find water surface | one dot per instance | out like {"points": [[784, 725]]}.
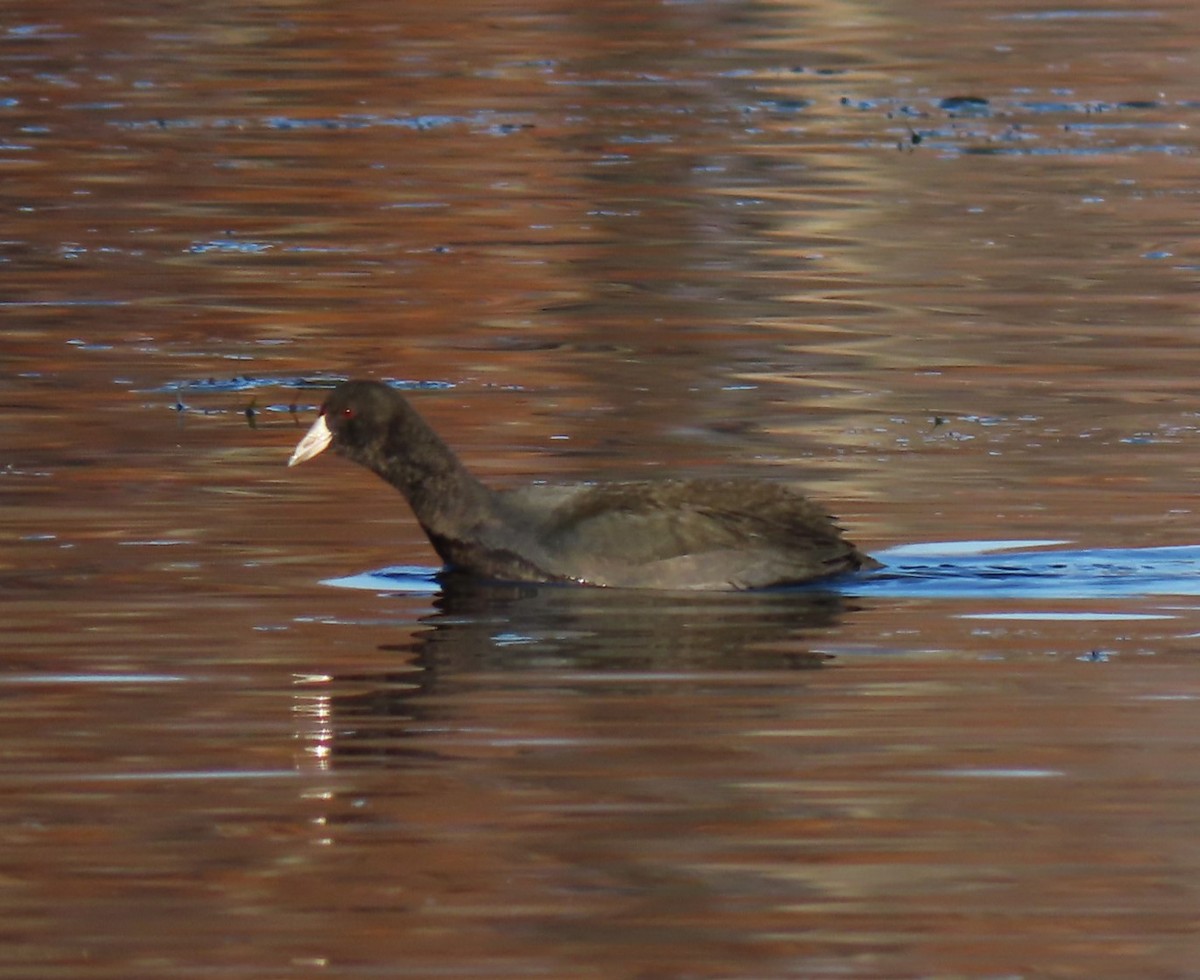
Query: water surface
{"points": [[934, 262]]}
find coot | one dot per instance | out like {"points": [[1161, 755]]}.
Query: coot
{"points": [[662, 534]]}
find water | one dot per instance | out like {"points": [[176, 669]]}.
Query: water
{"points": [[933, 262]]}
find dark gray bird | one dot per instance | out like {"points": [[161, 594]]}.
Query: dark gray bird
{"points": [[668, 534]]}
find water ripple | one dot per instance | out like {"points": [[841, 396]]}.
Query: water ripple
{"points": [[995, 569]]}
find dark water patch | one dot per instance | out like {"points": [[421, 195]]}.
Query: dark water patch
{"points": [[186, 391], [1071, 13], [243, 247], [1089, 108], [487, 123], [308, 382], [1019, 121], [863, 105], [823, 72], [1079, 151], [965, 105], [785, 106], [247, 383]]}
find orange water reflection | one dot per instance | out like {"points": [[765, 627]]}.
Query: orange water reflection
{"points": [[935, 262]]}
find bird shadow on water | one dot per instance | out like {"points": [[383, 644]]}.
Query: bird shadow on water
{"points": [[481, 625], [525, 641]]}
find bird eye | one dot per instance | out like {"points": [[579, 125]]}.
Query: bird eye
{"points": [[347, 413]]}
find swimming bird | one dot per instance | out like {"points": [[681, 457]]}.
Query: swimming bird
{"points": [[661, 534]]}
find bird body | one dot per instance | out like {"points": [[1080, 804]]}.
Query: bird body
{"points": [[663, 534]]}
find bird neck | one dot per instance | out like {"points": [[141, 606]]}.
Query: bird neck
{"points": [[443, 494]]}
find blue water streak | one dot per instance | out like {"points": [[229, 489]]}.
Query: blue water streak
{"points": [[998, 569]]}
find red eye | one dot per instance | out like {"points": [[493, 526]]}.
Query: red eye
{"points": [[347, 413]]}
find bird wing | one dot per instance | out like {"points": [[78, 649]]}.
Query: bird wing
{"points": [[686, 534]]}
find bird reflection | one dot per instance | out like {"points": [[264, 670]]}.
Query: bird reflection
{"points": [[483, 631]]}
